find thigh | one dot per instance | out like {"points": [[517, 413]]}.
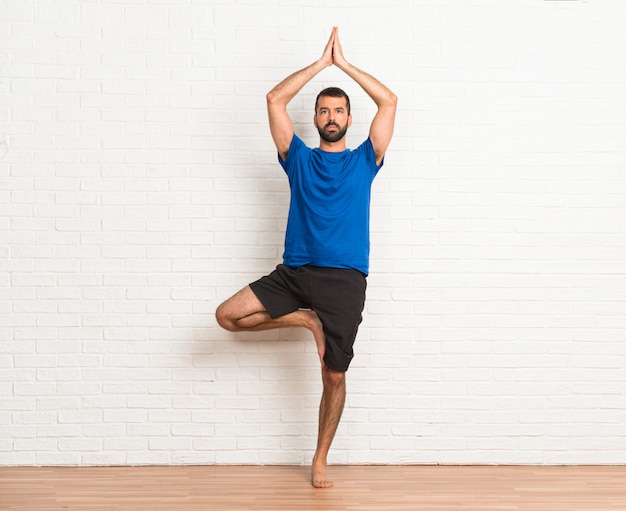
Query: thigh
{"points": [[241, 304], [338, 301], [282, 292], [339, 293]]}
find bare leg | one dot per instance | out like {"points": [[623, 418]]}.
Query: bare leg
{"points": [[331, 408], [245, 312]]}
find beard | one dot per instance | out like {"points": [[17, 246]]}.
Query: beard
{"points": [[332, 136]]}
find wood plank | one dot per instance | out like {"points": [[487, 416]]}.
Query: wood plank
{"points": [[282, 488]]}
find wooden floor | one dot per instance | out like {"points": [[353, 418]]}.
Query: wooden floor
{"points": [[280, 488]]}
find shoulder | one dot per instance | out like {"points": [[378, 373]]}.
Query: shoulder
{"points": [[368, 154], [297, 152]]}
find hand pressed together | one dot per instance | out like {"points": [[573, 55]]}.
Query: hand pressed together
{"points": [[333, 52]]}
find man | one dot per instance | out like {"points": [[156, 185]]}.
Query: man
{"points": [[321, 285]]}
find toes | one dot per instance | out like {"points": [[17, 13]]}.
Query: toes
{"points": [[323, 484], [322, 361]]}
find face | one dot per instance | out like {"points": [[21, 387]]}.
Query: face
{"points": [[332, 119]]}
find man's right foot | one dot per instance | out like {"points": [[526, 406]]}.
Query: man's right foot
{"points": [[317, 329]]}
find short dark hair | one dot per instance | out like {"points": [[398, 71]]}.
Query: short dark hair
{"points": [[333, 92]]}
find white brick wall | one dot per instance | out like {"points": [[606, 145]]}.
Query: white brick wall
{"points": [[139, 187]]}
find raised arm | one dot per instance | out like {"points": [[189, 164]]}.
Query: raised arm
{"points": [[281, 126], [381, 129]]}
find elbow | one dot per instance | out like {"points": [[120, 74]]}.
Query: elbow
{"points": [[392, 99], [388, 101], [271, 97]]}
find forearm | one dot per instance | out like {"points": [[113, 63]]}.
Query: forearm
{"points": [[286, 90], [381, 128], [380, 94], [281, 126]]}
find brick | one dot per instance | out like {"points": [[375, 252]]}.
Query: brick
{"points": [[140, 188]]}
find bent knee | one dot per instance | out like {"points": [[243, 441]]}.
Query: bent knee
{"points": [[224, 319]]}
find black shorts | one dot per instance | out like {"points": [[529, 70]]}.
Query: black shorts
{"points": [[336, 295]]}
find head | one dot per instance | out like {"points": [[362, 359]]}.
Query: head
{"points": [[332, 114]]}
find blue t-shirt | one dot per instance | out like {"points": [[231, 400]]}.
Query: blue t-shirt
{"points": [[329, 213]]}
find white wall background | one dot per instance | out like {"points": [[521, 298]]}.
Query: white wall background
{"points": [[139, 188]]}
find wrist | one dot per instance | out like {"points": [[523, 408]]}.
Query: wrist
{"points": [[342, 64]]}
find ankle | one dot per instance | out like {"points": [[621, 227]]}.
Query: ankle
{"points": [[311, 320], [319, 459]]}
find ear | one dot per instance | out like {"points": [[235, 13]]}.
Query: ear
{"points": [[315, 120], [350, 121]]}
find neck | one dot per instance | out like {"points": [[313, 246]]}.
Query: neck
{"points": [[333, 147]]}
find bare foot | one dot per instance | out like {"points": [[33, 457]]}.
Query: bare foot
{"points": [[315, 326], [318, 476]]}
